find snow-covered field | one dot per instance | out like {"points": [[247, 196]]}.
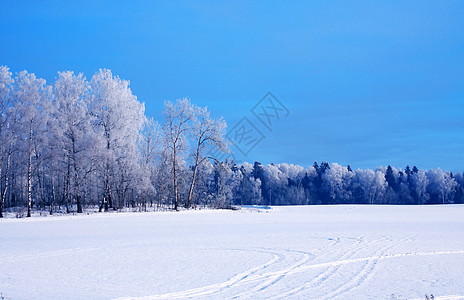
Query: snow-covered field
{"points": [[310, 252]]}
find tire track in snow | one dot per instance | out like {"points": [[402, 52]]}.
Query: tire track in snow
{"points": [[326, 274], [243, 278], [273, 279], [238, 280], [366, 272], [215, 288], [380, 257], [355, 260], [253, 270]]}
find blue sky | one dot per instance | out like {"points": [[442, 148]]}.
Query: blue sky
{"points": [[366, 83]]}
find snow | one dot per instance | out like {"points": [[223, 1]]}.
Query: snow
{"points": [[297, 252]]}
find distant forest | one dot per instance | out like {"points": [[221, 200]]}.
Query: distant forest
{"points": [[80, 144]]}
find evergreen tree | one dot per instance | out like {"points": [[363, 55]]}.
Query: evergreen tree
{"points": [[316, 166], [390, 178]]}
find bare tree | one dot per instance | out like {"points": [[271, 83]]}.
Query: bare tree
{"points": [[149, 147], [208, 135], [176, 129]]}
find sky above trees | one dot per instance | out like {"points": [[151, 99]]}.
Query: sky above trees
{"points": [[366, 84]]}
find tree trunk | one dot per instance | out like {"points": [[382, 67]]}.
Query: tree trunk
{"points": [[189, 200], [7, 171], [76, 186], [100, 208], [53, 195], [79, 205], [107, 201], [29, 175], [40, 192], [176, 199], [106, 198], [67, 187]]}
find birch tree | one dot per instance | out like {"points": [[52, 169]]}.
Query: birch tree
{"points": [[150, 152], [372, 184], [32, 100], [119, 117], [6, 83], [207, 134], [73, 130], [175, 136]]}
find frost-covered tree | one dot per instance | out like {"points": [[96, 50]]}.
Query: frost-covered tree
{"points": [[418, 187], [250, 188], [7, 122], [119, 118], [336, 182], [150, 152], [227, 179], [33, 104], [441, 186], [207, 134], [459, 195], [176, 129], [72, 127], [372, 184]]}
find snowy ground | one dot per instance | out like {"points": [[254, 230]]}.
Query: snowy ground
{"points": [[311, 252]]}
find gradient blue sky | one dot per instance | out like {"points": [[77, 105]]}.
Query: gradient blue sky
{"points": [[367, 83]]}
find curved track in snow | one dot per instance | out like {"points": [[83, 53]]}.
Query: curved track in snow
{"points": [[255, 282]]}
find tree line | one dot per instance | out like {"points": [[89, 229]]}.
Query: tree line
{"points": [[81, 143], [287, 184]]}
